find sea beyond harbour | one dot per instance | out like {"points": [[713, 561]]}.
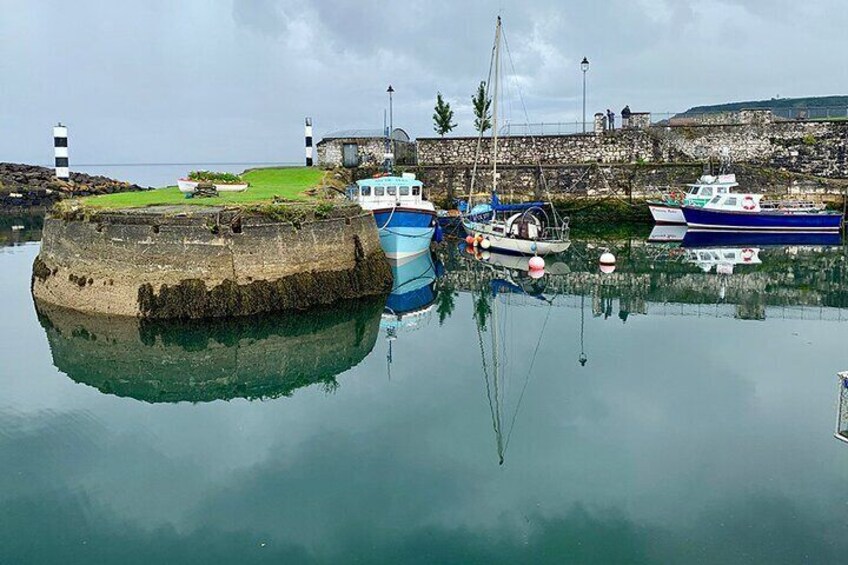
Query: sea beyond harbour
{"points": [[668, 412]]}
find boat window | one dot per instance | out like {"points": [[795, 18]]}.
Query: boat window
{"points": [[731, 201], [715, 200], [366, 191], [403, 190], [707, 191], [729, 255], [693, 190], [721, 190], [415, 191], [379, 191], [391, 190]]}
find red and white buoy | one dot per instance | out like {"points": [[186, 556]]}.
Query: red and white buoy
{"points": [[537, 263], [607, 262]]}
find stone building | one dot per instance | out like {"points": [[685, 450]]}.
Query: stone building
{"points": [[355, 148]]}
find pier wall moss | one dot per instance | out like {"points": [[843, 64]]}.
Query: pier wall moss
{"points": [[190, 262], [628, 182]]}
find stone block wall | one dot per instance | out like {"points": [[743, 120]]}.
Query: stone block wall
{"points": [[809, 147], [620, 147], [625, 181], [206, 262], [369, 150]]}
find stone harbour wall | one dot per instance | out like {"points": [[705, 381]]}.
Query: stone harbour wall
{"points": [[185, 262], [808, 147], [625, 181]]}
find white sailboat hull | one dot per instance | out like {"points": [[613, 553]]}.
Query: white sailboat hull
{"points": [[516, 245]]}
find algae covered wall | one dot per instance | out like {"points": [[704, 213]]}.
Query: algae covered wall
{"points": [[623, 181], [203, 262]]}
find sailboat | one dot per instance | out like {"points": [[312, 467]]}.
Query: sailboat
{"points": [[527, 228]]}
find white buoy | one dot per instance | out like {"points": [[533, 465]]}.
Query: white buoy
{"points": [[536, 263], [485, 255], [607, 262], [308, 133], [60, 151], [485, 244]]}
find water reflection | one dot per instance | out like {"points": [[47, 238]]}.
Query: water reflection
{"points": [[751, 276], [411, 302], [253, 358], [19, 229]]}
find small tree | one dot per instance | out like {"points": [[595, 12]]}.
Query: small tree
{"points": [[443, 116], [481, 109]]}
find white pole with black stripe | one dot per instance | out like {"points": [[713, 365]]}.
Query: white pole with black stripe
{"points": [[60, 151], [308, 142]]}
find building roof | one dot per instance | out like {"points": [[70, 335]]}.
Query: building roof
{"points": [[397, 134]]}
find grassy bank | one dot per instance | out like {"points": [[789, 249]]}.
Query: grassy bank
{"points": [[289, 183]]}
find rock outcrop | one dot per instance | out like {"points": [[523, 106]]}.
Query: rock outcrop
{"points": [[30, 186]]}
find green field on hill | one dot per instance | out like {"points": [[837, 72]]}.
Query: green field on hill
{"points": [[286, 183]]}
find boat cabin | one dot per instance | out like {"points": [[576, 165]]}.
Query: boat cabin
{"points": [[735, 203], [709, 186], [388, 192]]}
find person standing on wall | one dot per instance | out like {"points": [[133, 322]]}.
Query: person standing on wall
{"points": [[625, 117], [611, 119]]}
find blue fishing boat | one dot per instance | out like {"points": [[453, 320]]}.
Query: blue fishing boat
{"points": [[745, 212], [405, 221]]}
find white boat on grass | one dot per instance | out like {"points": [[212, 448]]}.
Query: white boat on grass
{"points": [[188, 186]]}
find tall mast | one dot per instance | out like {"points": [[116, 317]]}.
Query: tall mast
{"points": [[495, 111]]}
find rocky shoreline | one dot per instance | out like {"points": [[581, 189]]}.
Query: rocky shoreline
{"points": [[30, 187]]}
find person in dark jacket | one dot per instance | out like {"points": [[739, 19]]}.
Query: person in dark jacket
{"points": [[611, 119], [625, 117]]}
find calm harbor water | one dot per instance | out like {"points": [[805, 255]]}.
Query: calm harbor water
{"points": [[458, 425]]}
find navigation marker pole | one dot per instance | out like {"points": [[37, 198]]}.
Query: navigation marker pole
{"points": [[60, 151], [308, 142]]}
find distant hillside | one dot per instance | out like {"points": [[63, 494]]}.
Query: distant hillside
{"points": [[819, 106]]}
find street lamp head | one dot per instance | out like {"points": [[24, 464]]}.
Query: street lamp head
{"points": [[584, 64], [390, 89]]}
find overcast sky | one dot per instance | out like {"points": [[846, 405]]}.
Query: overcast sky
{"points": [[231, 80]]}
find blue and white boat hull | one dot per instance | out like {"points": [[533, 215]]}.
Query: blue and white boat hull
{"points": [[405, 232], [709, 219]]}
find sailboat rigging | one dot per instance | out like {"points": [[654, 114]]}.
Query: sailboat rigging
{"points": [[527, 228]]}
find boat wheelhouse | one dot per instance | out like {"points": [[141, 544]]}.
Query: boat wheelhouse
{"points": [[745, 212], [667, 210], [406, 222]]}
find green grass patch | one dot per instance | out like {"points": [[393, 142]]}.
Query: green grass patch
{"points": [[266, 185]]}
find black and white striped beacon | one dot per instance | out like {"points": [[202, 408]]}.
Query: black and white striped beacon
{"points": [[308, 142], [60, 151]]}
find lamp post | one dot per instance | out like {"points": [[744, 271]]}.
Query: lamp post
{"points": [[584, 66], [391, 151]]}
